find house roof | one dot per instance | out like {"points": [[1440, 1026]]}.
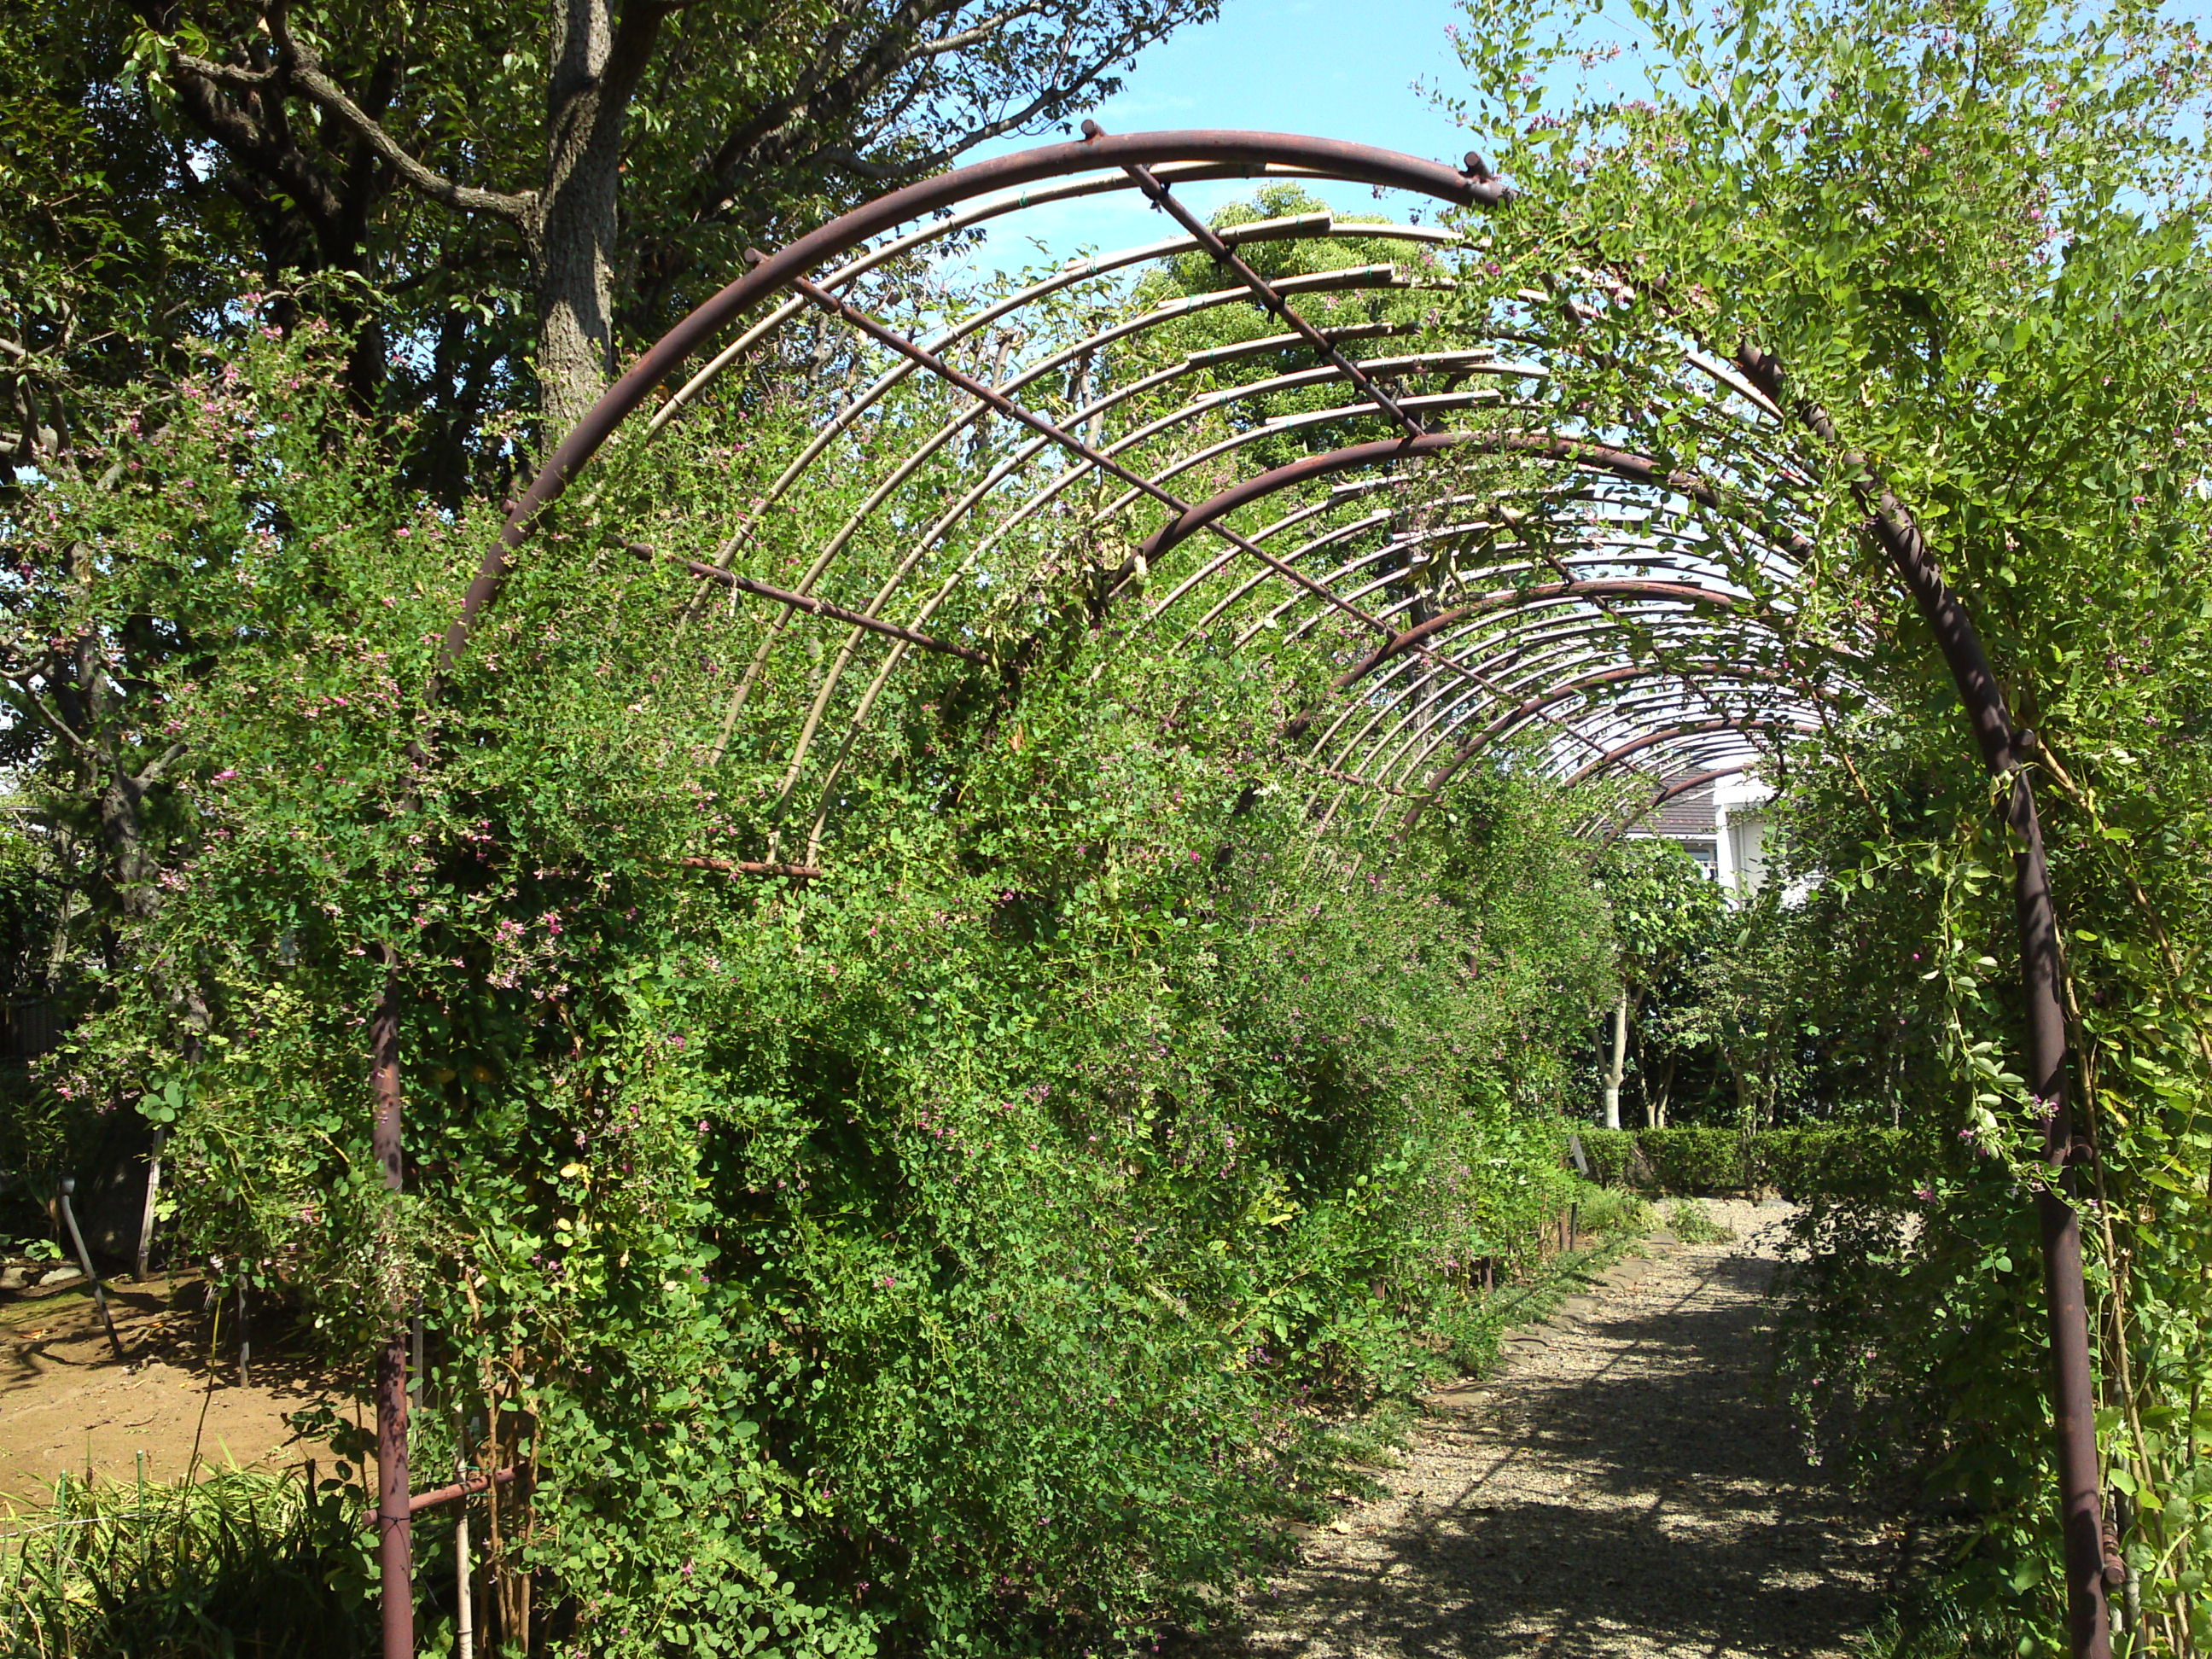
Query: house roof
{"points": [[1689, 814]]}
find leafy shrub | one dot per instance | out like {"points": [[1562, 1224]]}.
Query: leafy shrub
{"points": [[1839, 1160], [1611, 1155], [1693, 1158], [1612, 1212], [1801, 1161], [2084, 564], [935, 1256]]}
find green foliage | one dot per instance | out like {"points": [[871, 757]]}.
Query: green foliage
{"points": [[1614, 1213], [1671, 923], [1693, 1224], [165, 161], [1609, 1222], [1868, 1162], [1694, 1158], [1610, 1153], [1974, 237], [942, 1255], [99, 272], [1666, 913], [1842, 1160]]}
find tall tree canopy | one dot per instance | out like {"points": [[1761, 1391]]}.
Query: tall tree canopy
{"points": [[490, 205], [503, 200]]}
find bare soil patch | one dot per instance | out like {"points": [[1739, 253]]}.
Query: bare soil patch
{"points": [[1624, 1486], [67, 1403]]}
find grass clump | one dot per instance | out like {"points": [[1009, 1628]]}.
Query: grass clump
{"points": [[1613, 1213], [1693, 1224], [240, 1562]]}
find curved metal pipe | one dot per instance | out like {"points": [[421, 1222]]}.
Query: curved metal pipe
{"points": [[1604, 458], [1550, 594], [1518, 716], [1606, 762], [1326, 158]]}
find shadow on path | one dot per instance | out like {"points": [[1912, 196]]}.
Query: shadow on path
{"points": [[1623, 1488]]}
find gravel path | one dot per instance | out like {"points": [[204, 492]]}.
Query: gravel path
{"points": [[1621, 1487]]}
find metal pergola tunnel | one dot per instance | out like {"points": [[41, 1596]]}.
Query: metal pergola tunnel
{"points": [[1473, 570]]}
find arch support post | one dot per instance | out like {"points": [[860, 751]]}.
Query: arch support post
{"points": [[394, 1513], [2004, 748], [2065, 1295]]}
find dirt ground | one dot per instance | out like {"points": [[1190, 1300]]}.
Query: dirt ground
{"points": [[1622, 1488], [67, 1403]]}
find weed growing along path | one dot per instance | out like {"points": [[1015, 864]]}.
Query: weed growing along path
{"points": [[1622, 1488]]}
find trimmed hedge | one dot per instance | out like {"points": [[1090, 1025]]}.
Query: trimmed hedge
{"points": [[1842, 1160], [1608, 1152], [1836, 1160], [1694, 1159]]}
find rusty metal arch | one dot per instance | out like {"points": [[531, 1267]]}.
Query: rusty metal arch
{"points": [[1574, 643], [1314, 157], [1513, 718]]}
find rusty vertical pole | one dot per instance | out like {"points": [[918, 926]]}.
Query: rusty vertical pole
{"points": [[394, 1540], [2005, 751], [2066, 1309], [2065, 1294]]}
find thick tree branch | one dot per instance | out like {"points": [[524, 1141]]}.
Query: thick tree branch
{"points": [[976, 33], [154, 771], [748, 135], [226, 75], [303, 68], [255, 142], [30, 701]]}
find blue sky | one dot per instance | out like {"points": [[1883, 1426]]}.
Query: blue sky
{"points": [[1338, 68]]}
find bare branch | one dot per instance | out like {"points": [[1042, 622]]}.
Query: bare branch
{"points": [[869, 77], [303, 68], [225, 74], [1051, 98], [975, 34], [881, 59]]}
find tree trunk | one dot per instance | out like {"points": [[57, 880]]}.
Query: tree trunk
{"points": [[1654, 1103], [596, 60], [122, 827], [576, 226], [1613, 1071]]}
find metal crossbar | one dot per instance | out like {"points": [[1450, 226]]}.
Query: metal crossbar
{"points": [[1223, 255], [887, 336]]}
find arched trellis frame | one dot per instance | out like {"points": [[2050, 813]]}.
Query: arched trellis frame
{"points": [[1605, 655]]}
